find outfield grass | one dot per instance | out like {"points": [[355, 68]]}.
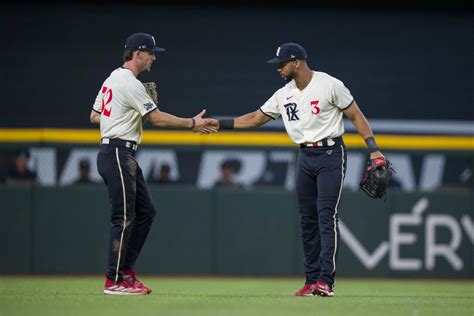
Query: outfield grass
{"points": [[233, 296]]}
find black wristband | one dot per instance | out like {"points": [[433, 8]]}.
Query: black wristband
{"points": [[193, 124], [226, 124], [371, 144]]}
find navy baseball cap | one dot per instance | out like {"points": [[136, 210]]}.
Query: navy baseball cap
{"points": [[288, 51], [143, 42]]}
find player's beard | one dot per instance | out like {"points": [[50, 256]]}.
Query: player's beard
{"points": [[288, 78], [147, 67]]}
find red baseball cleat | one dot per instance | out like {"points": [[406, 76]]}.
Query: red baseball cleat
{"points": [[306, 290], [323, 289], [123, 287], [129, 274]]}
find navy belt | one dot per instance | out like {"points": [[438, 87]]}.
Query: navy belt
{"points": [[327, 142], [120, 143]]}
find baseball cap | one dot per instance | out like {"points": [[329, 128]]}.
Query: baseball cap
{"points": [[143, 42], [288, 51]]}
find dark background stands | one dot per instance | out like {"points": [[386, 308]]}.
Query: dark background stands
{"points": [[84, 173], [226, 176], [18, 173], [413, 61], [163, 176]]}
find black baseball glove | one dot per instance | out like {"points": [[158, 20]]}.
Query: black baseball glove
{"points": [[376, 178]]}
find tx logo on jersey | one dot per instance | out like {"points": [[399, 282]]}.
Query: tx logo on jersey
{"points": [[291, 111]]}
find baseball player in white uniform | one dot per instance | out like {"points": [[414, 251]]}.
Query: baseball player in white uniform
{"points": [[311, 105], [121, 107]]}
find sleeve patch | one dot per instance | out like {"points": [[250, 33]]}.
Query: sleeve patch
{"points": [[148, 106]]}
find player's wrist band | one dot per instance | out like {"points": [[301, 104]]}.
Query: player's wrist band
{"points": [[226, 124], [193, 124], [371, 144]]}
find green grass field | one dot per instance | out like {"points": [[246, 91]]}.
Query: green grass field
{"points": [[233, 296]]}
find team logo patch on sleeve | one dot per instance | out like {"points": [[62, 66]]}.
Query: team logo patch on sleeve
{"points": [[148, 106]]}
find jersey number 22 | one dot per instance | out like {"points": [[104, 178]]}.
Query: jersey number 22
{"points": [[106, 99]]}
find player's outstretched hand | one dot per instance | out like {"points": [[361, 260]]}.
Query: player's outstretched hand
{"points": [[214, 123], [203, 126]]}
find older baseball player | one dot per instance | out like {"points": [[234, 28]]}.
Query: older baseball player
{"points": [[311, 105], [121, 107]]}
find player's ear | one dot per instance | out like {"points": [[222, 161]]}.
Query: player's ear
{"points": [[140, 53]]}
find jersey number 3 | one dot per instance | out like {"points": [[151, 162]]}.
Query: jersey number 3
{"points": [[315, 108], [106, 98]]}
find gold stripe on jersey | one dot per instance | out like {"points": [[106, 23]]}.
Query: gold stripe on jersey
{"points": [[235, 138]]}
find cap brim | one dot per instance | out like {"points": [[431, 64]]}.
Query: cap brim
{"points": [[158, 49], [276, 60]]}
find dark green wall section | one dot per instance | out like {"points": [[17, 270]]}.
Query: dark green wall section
{"points": [[182, 237], [236, 232], [367, 220], [69, 229], [16, 230], [255, 232]]}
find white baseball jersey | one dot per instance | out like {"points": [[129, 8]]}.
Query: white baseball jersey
{"points": [[314, 113], [122, 102]]}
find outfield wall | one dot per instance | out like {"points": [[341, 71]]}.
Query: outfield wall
{"points": [[244, 232]]}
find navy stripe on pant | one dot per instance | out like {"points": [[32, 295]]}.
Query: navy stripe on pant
{"points": [[133, 209], [319, 179]]}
